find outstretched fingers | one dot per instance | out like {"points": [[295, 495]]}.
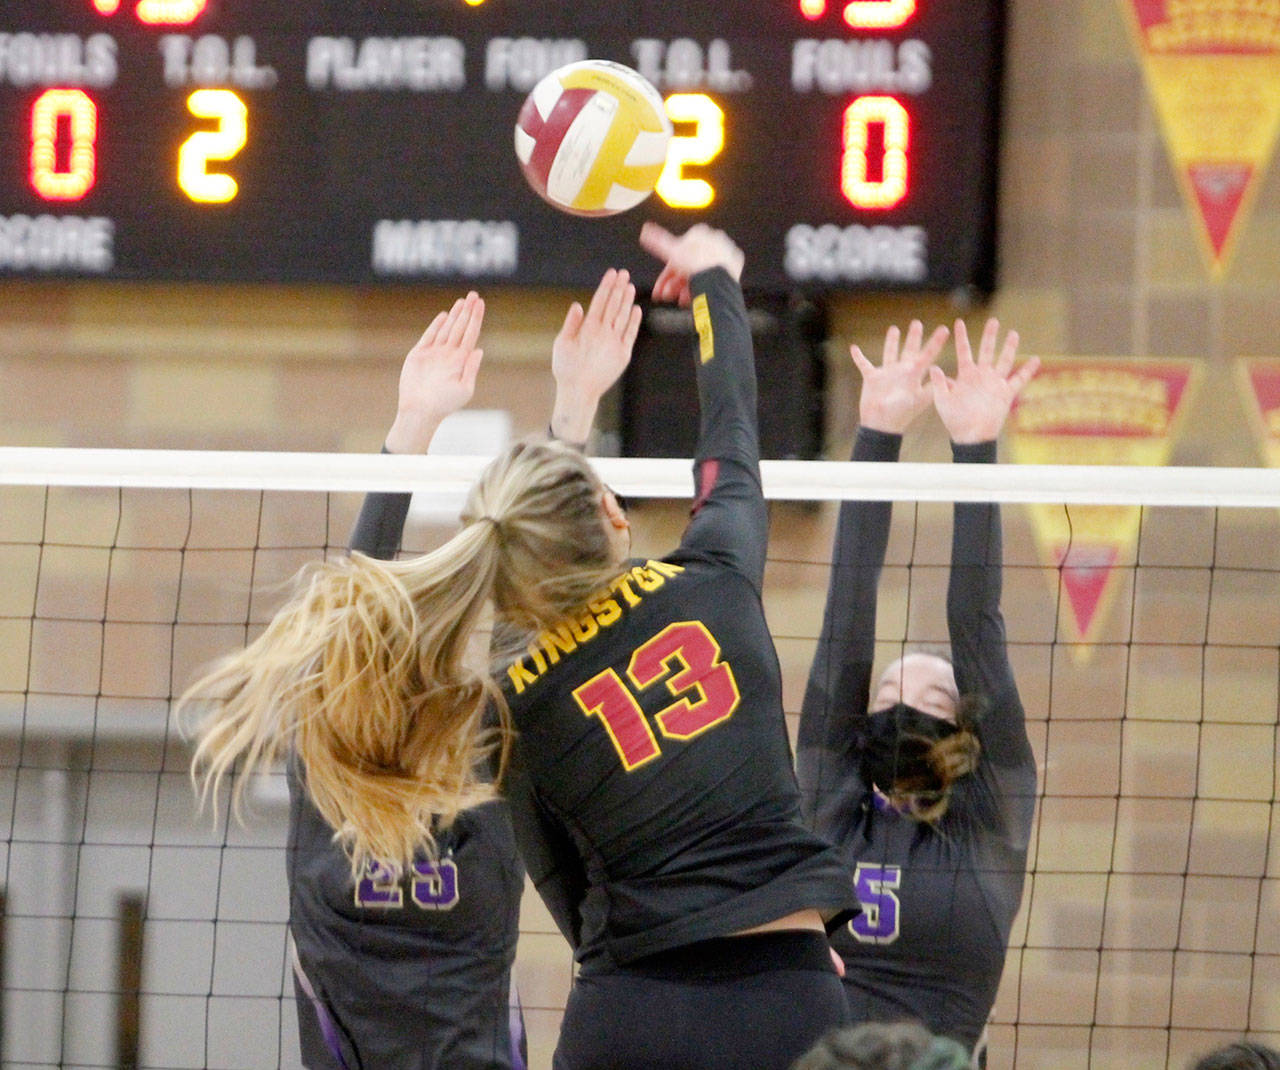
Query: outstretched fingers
{"points": [[987, 347], [964, 351], [470, 323], [573, 320], [459, 322], [632, 330], [1024, 375], [622, 296], [915, 337], [864, 366], [657, 240], [892, 346], [432, 332], [1008, 354], [932, 350], [600, 299]]}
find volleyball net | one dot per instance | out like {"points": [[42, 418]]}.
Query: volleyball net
{"points": [[1143, 612]]}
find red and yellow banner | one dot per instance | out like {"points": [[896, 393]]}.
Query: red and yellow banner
{"points": [[1213, 67], [1099, 411], [1259, 379]]}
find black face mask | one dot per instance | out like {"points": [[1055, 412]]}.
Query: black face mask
{"points": [[895, 745]]}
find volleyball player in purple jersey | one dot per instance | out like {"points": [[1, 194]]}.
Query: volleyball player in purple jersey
{"points": [[412, 971], [700, 916], [925, 778], [408, 970]]}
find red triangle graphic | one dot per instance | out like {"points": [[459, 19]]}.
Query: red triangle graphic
{"points": [[1220, 189], [1086, 571]]}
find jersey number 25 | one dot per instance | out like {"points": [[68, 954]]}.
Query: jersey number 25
{"points": [[688, 657]]}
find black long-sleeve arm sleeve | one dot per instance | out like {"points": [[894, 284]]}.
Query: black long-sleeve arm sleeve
{"points": [[380, 526], [839, 684], [730, 520], [980, 654]]}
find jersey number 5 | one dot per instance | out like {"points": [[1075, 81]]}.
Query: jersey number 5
{"points": [[688, 657], [874, 885]]}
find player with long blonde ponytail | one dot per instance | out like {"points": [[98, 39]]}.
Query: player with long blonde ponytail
{"points": [[404, 883]]}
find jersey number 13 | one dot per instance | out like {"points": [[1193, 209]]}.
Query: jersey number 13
{"points": [[687, 657]]}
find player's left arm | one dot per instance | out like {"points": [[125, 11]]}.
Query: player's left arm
{"points": [[437, 379], [590, 354], [974, 407]]}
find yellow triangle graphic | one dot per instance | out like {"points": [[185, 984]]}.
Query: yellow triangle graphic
{"points": [[1096, 411], [1213, 69], [1259, 382]]}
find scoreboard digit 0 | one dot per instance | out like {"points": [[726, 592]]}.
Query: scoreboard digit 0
{"points": [[846, 144]]}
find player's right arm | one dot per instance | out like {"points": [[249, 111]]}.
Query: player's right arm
{"points": [[701, 270], [838, 690], [437, 379]]}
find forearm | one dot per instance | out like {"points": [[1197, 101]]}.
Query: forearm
{"points": [[862, 536], [730, 519], [978, 644], [974, 590], [725, 370], [412, 432], [839, 681], [572, 417], [380, 526]]}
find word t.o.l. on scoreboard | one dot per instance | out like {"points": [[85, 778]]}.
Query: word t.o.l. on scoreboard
{"points": [[845, 144]]}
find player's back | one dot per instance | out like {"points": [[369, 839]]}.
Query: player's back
{"points": [[651, 729], [410, 971]]}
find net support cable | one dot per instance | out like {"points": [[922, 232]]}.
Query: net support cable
{"points": [[649, 477]]}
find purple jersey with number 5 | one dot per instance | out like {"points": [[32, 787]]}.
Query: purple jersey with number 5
{"points": [[938, 901]]}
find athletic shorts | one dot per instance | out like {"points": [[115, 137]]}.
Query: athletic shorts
{"points": [[758, 1001]]}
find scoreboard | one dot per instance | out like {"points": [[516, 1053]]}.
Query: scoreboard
{"points": [[847, 145]]}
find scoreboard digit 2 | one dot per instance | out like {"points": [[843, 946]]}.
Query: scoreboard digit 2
{"points": [[847, 145]]}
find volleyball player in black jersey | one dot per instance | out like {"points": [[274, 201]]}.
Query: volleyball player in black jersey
{"points": [[925, 779], [413, 971], [652, 788]]}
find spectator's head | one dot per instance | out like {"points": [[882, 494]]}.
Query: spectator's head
{"points": [[1241, 1056], [884, 1046]]}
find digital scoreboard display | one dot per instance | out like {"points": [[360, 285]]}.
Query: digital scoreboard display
{"points": [[847, 145]]}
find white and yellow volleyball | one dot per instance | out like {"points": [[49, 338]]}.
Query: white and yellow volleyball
{"points": [[592, 138]]}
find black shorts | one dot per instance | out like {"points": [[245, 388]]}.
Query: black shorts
{"points": [[757, 1001]]}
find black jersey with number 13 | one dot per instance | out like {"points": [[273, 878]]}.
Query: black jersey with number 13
{"points": [[652, 790]]}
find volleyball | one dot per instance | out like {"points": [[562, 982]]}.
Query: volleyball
{"points": [[592, 138]]}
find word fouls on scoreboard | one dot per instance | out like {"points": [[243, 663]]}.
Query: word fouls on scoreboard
{"points": [[874, 173]]}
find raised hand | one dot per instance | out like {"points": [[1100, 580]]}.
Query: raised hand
{"points": [[591, 352], [439, 375], [683, 256], [895, 393], [975, 404]]}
